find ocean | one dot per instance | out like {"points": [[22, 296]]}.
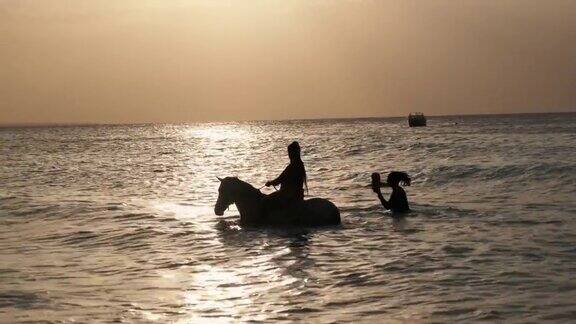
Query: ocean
{"points": [[116, 223]]}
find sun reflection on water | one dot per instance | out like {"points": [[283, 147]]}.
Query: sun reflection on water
{"points": [[216, 292], [220, 132], [226, 291], [223, 293]]}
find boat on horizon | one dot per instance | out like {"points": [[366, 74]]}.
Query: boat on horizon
{"points": [[416, 119]]}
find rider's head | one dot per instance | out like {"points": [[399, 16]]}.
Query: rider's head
{"points": [[395, 177], [294, 151]]}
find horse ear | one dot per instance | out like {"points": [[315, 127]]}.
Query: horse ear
{"points": [[219, 179]]}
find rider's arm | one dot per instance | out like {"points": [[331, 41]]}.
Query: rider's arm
{"points": [[281, 178]]}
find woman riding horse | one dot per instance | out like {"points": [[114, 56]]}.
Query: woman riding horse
{"points": [[256, 208], [291, 181]]}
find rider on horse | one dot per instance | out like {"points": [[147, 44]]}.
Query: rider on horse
{"points": [[292, 181]]}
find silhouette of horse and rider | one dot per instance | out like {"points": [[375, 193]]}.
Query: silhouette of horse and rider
{"points": [[287, 205]]}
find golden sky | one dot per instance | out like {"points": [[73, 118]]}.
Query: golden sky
{"points": [[98, 61]]}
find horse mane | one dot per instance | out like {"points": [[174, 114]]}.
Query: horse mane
{"points": [[244, 185]]}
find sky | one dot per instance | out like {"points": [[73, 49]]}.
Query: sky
{"points": [[139, 61]]}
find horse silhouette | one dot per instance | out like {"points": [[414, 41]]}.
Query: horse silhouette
{"points": [[249, 201]]}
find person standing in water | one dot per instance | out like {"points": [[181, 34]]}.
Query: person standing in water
{"points": [[398, 203], [292, 181]]}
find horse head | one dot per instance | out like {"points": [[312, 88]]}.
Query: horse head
{"points": [[226, 195], [235, 191]]}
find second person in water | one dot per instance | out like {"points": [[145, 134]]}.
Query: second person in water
{"points": [[292, 182], [398, 202]]}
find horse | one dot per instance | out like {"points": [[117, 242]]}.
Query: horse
{"points": [[249, 201]]}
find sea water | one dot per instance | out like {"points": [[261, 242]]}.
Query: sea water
{"points": [[116, 223]]}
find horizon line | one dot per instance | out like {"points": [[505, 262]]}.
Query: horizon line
{"points": [[87, 124]]}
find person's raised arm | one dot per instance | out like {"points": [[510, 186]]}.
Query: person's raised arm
{"points": [[383, 201], [376, 184]]}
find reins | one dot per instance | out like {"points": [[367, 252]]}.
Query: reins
{"points": [[265, 186]]}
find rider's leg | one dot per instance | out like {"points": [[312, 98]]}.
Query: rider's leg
{"points": [[273, 201]]}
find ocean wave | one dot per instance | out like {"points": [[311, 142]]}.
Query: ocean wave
{"points": [[513, 172]]}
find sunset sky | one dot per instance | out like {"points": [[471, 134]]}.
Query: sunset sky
{"points": [[132, 61]]}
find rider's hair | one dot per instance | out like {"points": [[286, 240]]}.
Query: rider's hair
{"points": [[395, 177]]}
